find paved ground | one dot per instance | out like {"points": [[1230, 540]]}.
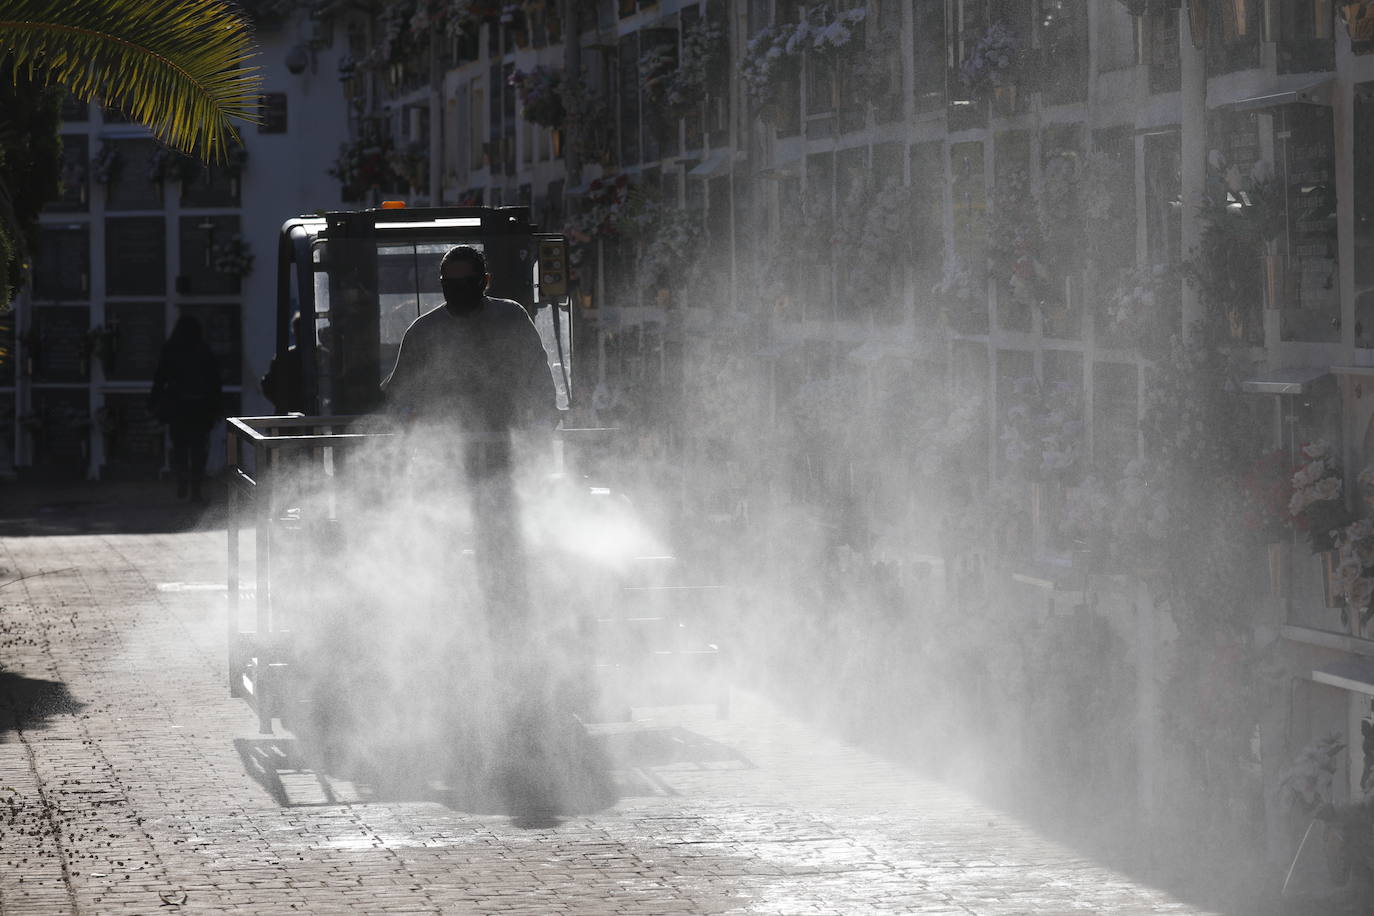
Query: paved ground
{"points": [[131, 782]]}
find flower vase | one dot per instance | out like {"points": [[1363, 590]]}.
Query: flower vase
{"points": [[1331, 590]]}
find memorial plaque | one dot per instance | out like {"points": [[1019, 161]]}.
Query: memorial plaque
{"points": [[1309, 173], [76, 172], [136, 256], [202, 245], [61, 429], [224, 333], [138, 183], [60, 337], [140, 330], [272, 111], [62, 263], [134, 439]]}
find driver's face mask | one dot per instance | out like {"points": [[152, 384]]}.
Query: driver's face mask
{"points": [[462, 291]]}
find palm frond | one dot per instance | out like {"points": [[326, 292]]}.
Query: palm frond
{"points": [[177, 66]]}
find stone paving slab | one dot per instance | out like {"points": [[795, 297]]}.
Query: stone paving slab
{"points": [[131, 793]]}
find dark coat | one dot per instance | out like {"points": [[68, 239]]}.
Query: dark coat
{"points": [[186, 387]]}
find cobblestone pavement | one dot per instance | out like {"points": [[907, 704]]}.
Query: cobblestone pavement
{"points": [[133, 792]]}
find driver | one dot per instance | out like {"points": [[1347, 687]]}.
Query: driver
{"points": [[477, 362]]}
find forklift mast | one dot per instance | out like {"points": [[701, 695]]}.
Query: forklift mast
{"points": [[359, 278]]}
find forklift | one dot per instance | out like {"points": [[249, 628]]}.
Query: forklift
{"points": [[357, 280]]}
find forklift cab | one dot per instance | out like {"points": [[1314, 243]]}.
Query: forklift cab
{"points": [[359, 278]]}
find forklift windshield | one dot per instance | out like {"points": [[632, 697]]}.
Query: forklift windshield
{"points": [[373, 272]]}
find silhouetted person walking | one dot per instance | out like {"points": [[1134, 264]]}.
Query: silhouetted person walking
{"points": [[186, 398]]}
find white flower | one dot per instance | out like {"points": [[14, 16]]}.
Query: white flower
{"points": [[1360, 591], [1347, 573], [1308, 474], [1318, 448], [1328, 488]]}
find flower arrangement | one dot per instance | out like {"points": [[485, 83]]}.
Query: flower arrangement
{"points": [[1125, 521], [107, 164], [1354, 578], [877, 218], [410, 164], [1317, 505], [603, 207], [1042, 429], [1308, 783], [364, 164], [994, 61], [396, 39], [656, 68], [767, 64], [700, 61], [232, 257], [1015, 239], [774, 54], [1264, 203], [1135, 303], [446, 16], [590, 120], [953, 428], [669, 239], [541, 98], [1061, 210]]}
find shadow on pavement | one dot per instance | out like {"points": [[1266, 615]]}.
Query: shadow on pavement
{"points": [[43, 509], [302, 773], [27, 703], [607, 766]]}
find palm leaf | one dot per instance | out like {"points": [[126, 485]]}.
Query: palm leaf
{"points": [[177, 66]]}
